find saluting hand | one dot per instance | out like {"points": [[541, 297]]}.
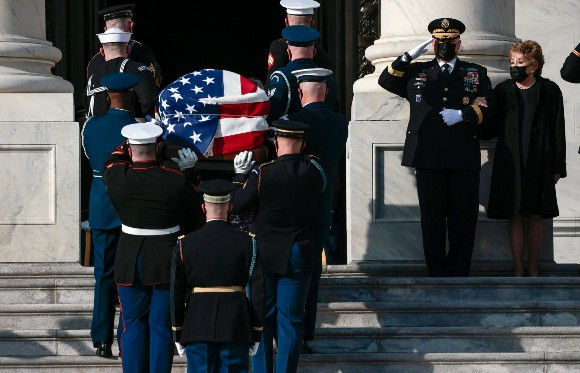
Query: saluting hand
{"points": [[419, 49], [187, 158]]}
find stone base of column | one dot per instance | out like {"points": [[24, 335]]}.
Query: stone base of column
{"points": [[39, 182]]}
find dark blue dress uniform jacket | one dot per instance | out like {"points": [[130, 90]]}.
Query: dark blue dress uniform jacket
{"points": [[283, 89], [216, 255], [570, 70], [145, 92], [429, 142], [147, 195], [285, 192], [278, 57], [138, 52], [325, 139], [101, 136]]}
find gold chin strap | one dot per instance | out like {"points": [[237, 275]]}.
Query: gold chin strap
{"points": [[219, 289]]}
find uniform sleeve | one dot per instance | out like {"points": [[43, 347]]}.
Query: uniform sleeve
{"points": [[277, 58], [570, 71], [279, 93], [257, 297], [178, 289], [490, 129], [146, 90], [246, 195], [393, 77], [119, 157], [559, 137], [481, 115]]}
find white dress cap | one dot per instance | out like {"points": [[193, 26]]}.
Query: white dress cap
{"points": [[300, 7], [114, 35], [142, 133]]}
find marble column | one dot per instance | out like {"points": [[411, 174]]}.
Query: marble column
{"points": [[39, 143], [383, 214]]}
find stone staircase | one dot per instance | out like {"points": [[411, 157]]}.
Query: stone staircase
{"points": [[372, 318]]}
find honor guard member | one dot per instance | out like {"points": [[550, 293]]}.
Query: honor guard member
{"points": [[449, 100], [570, 71], [282, 86], [325, 139], [151, 202], [122, 17], [298, 12], [115, 46], [286, 192], [212, 267], [100, 137]]}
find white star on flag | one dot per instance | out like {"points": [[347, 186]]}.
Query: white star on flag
{"points": [[173, 90], [205, 118], [164, 104], [176, 96], [170, 128], [179, 115], [208, 80], [186, 124], [197, 89], [196, 73], [184, 80], [191, 108], [195, 137]]}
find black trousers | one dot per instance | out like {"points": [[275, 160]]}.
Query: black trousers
{"points": [[449, 203]]}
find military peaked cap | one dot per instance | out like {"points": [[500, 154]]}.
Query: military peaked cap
{"points": [[446, 28]]}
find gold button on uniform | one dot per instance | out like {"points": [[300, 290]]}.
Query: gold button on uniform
{"points": [[444, 98], [445, 89]]}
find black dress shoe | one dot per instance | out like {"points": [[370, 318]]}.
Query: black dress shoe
{"points": [[104, 350], [306, 349]]}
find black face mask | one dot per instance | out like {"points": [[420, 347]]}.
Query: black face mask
{"points": [[445, 51], [518, 73]]}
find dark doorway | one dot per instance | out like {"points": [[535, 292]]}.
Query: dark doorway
{"points": [[192, 35]]}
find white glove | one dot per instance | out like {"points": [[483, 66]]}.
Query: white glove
{"points": [[243, 162], [451, 116], [180, 348], [187, 158], [254, 348], [419, 49]]}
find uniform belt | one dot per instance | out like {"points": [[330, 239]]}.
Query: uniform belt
{"points": [[149, 232], [219, 289]]}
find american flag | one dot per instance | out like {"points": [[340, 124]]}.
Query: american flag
{"points": [[214, 112]]}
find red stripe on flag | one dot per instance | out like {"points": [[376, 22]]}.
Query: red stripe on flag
{"points": [[247, 86], [237, 143], [251, 109]]}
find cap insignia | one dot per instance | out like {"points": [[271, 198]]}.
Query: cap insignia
{"points": [[465, 100], [445, 23]]}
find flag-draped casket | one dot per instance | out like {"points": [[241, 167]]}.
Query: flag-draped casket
{"points": [[214, 112]]}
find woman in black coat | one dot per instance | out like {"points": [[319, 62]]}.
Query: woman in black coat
{"points": [[530, 154]]}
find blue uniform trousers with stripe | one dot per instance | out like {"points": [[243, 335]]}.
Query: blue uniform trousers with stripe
{"points": [[284, 314], [147, 339], [225, 357]]}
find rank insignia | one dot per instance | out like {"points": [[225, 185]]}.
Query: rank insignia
{"points": [[417, 98], [465, 100]]}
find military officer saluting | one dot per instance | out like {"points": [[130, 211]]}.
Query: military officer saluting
{"points": [[211, 313], [286, 192], [151, 201], [283, 86], [122, 17], [100, 136], [449, 99]]}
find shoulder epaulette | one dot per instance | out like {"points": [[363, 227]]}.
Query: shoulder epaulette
{"points": [[311, 156], [266, 163]]}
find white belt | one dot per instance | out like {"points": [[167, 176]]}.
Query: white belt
{"points": [[149, 232]]}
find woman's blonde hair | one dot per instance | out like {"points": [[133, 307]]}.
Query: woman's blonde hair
{"points": [[531, 51]]}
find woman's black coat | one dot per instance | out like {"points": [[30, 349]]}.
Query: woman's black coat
{"points": [[546, 157]]}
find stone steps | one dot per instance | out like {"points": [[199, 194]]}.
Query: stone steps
{"points": [[375, 317]]}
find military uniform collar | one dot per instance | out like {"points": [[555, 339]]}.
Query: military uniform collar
{"points": [[451, 64], [290, 156]]}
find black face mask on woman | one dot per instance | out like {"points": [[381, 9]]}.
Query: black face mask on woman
{"points": [[518, 73], [445, 51]]}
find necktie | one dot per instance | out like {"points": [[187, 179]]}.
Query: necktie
{"points": [[446, 70]]}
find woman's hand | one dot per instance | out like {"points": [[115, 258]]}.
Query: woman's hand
{"points": [[480, 101]]}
